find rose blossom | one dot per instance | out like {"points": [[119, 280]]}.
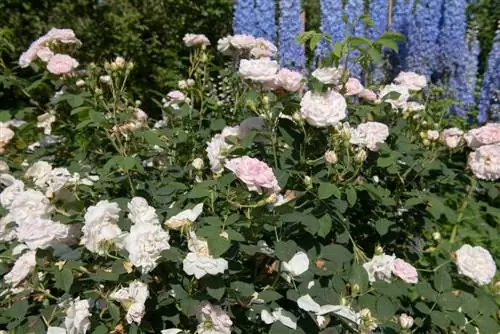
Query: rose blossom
{"points": [[242, 42], [6, 134], [291, 81], [259, 70], [216, 150], [432, 134], [323, 109], [452, 137], [329, 75], [65, 36], [199, 262], [330, 157], [184, 218], [263, 49], [77, 317], [45, 121], [133, 299], [353, 87], [8, 195], [224, 45], [406, 321], [212, 319], [380, 267], [176, 95], [3, 167], [23, 266], [257, 175], [141, 212], [400, 102], [485, 162], [41, 233], [413, 106], [196, 39], [61, 64], [369, 134], [405, 271], [411, 80], [485, 135], [44, 53], [30, 203], [368, 94], [475, 263]]}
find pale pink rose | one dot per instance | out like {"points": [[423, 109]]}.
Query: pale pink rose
{"points": [[411, 80], [44, 53], [353, 87], [432, 134], [196, 40], [242, 42], [30, 55], [66, 36], [405, 271], [452, 137], [61, 64], [291, 81], [485, 135], [485, 162], [176, 95], [212, 319], [263, 49], [368, 94], [257, 175]]}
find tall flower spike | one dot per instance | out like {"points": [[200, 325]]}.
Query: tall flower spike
{"points": [[489, 102], [422, 37], [265, 11], [244, 20], [354, 9], [292, 54], [378, 13], [402, 13], [331, 24]]}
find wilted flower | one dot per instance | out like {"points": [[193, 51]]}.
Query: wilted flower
{"points": [[475, 263], [45, 121], [323, 109]]}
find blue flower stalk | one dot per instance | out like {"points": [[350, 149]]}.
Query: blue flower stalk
{"points": [[378, 13], [354, 9], [331, 24], [265, 14], [451, 40], [422, 37], [489, 101], [244, 19], [402, 13], [292, 54]]}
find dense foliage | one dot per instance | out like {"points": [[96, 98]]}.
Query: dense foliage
{"points": [[252, 205]]}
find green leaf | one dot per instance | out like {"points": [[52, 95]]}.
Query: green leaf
{"points": [[327, 190], [218, 124], [17, 310], [389, 43], [102, 329], [425, 290], [243, 288], [385, 307], [199, 191], [442, 280], [382, 226], [422, 307], [351, 196], [359, 276], [336, 253], [114, 311], [439, 318], [215, 286], [64, 279], [217, 245], [269, 296], [325, 226], [487, 325], [285, 250]]}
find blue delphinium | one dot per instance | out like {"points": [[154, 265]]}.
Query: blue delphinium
{"points": [[378, 13], [422, 37], [265, 11], [244, 19], [292, 54], [402, 13], [463, 79], [331, 24], [451, 40], [489, 106], [354, 9]]}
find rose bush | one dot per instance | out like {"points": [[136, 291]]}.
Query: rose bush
{"points": [[264, 201]]}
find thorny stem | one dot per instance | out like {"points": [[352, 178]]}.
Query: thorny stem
{"points": [[465, 203]]}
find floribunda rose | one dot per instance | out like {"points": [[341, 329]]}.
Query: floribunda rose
{"points": [[216, 151], [411, 80], [329, 75], [41, 233], [353, 87], [61, 64], [242, 42], [141, 212], [133, 299], [476, 263], [30, 203], [212, 319], [405, 271], [23, 266], [291, 81], [199, 266], [369, 134], [8, 195], [452, 137], [259, 70], [44, 53], [485, 162], [39, 172], [485, 135], [368, 95], [196, 39], [65, 36], [263, 49], [257, 175], [77, 317], [144, 244], [401, 101], [380, 267], [323, 109]]}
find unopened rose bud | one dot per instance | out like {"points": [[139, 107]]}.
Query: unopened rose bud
{"points": [[331, 157], [426, 142], [422, 134], [106, 79], [406, 321], [436, 236], [204, 58], [190, 82], [265, 101], [130, 65], [355, 289], [308, 182], [360, 156], [120, 62], [345, 133], [224, 235], [379, 250], [98, 91], [251, 105], [272, 199], [424, 123], [182, 84], [433, 135], [198, 164], [297, 118], [80, 83]]}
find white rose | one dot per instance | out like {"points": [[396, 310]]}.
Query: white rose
{"points": [[322, 110], [144, 243], [59, 178], [30, 203], [198, 164], [353, 87], [224, 45], [77, 317], [7, 228], [411, 80], [476, 263], [45, 121], [432, 134], [6, 134], [242, 42], [23, 266], [406, 321], [413, 107], [39, 172], [260, 70], [380, 267], [185, 217], [41, 233], [400, 102], [452, 137], [212, 319], [8, 195], [141, 212], [199, 266], [196, 40], [484, 162], [329, 75], [291, 81], [369, 134], [56, 330], [135, 313], [3, 167], [297, 265], [216, 150]]}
